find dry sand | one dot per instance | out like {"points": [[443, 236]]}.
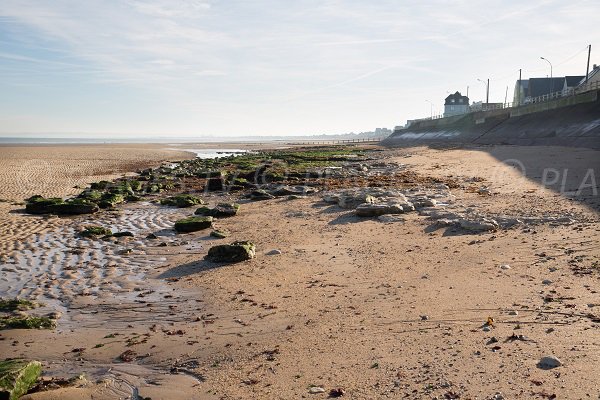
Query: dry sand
{"points": [[376, 309]]}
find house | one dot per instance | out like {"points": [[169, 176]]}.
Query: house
{"points": [[528, 91], [456, 104], [521, 90], [571, 82], [593, 80]]}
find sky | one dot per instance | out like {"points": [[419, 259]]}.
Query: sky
{"points": [[227, 68]]}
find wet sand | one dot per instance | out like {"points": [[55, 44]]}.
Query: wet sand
{"points": [[378, 309]]}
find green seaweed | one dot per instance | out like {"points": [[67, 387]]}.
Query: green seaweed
{"points": [[17, 376], [27, 322]]}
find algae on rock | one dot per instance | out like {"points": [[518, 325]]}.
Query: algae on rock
{"points": [[193, 224], [17, 376], [230, 253]]}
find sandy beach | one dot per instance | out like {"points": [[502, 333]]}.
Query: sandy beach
{"points": [[410, 305]]}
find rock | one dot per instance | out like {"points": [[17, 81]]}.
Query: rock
{"points": [[221, 210], [316, 390], [260, 194], [41, 205], [374, 210], [234, 252], [421, 202], [219, 234], [286, 190], [182, 201], [549, 362], [193, 224], [546, 282], [389, 218], [479, 225], [487, 328], [94, 230], [337, 392], [214, 184], [122, 234], [513, 312], [505, 266], [424, 317], [17, 377], [274, 252], [353, 201], [110, 200], [151, 236]]}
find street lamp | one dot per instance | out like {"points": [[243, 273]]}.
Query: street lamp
{"points": [[551, 80], [487, 90], [431, 107]]}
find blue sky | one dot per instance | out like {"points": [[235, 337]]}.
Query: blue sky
{"points": [[216, 68]]}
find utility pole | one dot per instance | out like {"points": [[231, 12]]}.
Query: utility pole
{"points": [[587, 69], [487, 94]]}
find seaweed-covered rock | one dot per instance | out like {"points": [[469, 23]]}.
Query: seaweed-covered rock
{"points": [[41, 205], [16, 304], [260, 194], [109, 200], [94, 230], [75, 207], [219, 234], [222, 210], [27, 322], [193, 224], [99, 185], [182, 201], [230, 253], [17, 377]]}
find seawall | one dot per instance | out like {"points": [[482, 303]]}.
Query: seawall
{"points": [[572, 121]]}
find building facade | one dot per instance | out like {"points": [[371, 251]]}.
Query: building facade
{"points": [[456, 104]]}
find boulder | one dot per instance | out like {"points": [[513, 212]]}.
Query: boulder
{"points": [[193, 224], [17, 377], [221, 210], [230, 253]]}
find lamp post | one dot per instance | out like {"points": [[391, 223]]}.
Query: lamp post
{"points": [[430, 107], [487, 90], [551, 80]]}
